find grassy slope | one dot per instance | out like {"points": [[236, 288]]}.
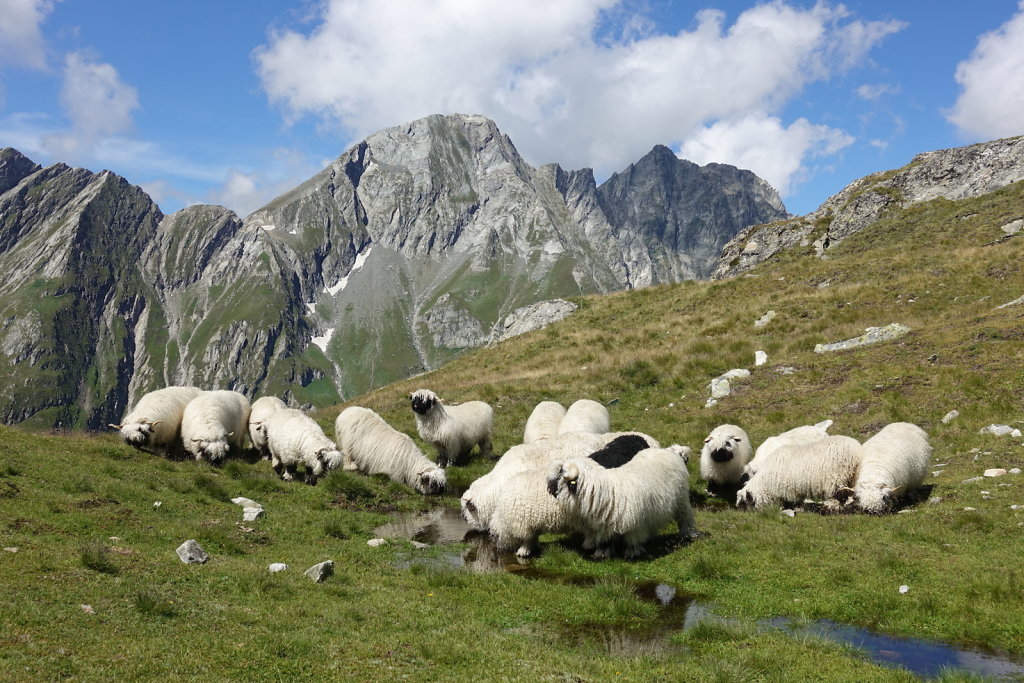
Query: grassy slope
{"points": [[930, 267]]}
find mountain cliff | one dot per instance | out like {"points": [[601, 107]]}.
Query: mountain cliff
{"points": [[420, 241]]}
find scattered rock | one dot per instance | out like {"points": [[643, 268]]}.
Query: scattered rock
{"points": [[277, 567], [995, 472], [950, 416], [191, 552], [720, 387], [936, 500], [251, 514], [1015, 470], [88, 609], [246, 502], [760, 358], [1015, 302], [936, 473], [319, 572], [157, 504], [1013, 227], [377, 542], [420, 546], [872, 335], [789, 513], [785, 370], [1000, 430], [969, 509], [534, 317], [904, 589], [1017, 507], [11, 549], [765, 319], [970, 480]]}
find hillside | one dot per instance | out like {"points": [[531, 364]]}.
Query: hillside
{"points": [[80, 510]]}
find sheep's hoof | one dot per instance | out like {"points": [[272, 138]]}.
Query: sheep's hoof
{"points": [[524, 551]]}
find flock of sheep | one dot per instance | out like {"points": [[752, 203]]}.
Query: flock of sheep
{"points": [[570, 474]]}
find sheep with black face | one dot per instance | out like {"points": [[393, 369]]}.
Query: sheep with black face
{"points": [[154, 424], [454, 430], [725, 453], [896, 462]]}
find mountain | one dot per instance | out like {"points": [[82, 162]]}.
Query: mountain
{"points": [[419, 242]]}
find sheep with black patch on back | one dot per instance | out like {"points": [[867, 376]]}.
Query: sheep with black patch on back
{"points": [[154, 424], [585, 415], [632, 502], [294, 438], [368, 443], [482, 497], [215, 424], [725, 453], [262, 408], [453, 430], [896, 462], [817, 470], [544, 421]]}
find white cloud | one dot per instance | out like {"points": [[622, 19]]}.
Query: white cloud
{"points": [[97, 103], [874, 91], [541, 71], [244, 192], [21, 41], [777, 153], [991, 102]]}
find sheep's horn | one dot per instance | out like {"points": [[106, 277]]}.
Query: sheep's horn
{"points": [[897, 489], [154, 424], [231, 434], [114, 426]]}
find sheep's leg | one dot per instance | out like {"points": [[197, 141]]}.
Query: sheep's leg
{"points": [[634, 548], [442, 457], [685, 519], [527, 548], [348, 464], [485, 447]]}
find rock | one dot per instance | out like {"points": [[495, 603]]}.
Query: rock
{"points": [[737, 373], [995, 472], [1013, 227], [950, 416], [785, 370], [246, 502], [998, 430], [971, 480], [319, 572], [935, 500], [534, 317], [1017, 507], [720, 388], [191, 552], [10, 549], [88, 609], [760, 358], [251, 514], [277, 567], [936, 473], [1015, 302], [419, 546], [376, 542], [970, 509], [872, 335], [788, 513], [1015, 470], [904, 589], [765, 319], [157, 504]]}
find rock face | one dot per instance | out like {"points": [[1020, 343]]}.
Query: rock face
{"points": [[956, 173], [417, 243]]}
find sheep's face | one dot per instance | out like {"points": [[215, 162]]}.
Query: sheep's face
{"points": [[745, 499], [423, 401], [469, 510], [563, 481], [137, 434], [329, 458], [722, 447], [875, 499], [214, 451], [258, 434], [432, 482]]}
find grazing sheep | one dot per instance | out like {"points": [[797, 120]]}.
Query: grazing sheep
{"points": [[586, 416], [262, 408], [725, 453], [793, 437], [523, 511], [294, 438], [214, 424], [453, 430], [896, 461], [818, 470], [544, 421], [633, 502], [372, 446], [154, 424], [481, 498]]}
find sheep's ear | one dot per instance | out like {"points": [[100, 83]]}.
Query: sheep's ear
{"points": [[118, 427], [230, 434], [707, 440], [844, 495]]}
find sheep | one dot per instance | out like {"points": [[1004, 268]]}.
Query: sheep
{"points": [[523, 511], [372, 446], [453, 430], [633, 501], [896, 461], [544, 421], [262, 408], [725, 453], [587, 416], [481, 498], [795, 436], [214, 424], [294, 438], [154, 424], [818, 469]]}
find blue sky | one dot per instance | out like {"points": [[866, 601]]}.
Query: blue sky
{"points": [[235, 101]]}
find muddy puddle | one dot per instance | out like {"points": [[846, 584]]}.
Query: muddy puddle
{"points": [[679, 611]]}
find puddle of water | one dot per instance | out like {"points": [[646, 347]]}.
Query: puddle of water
{"points": [[679, 611]]}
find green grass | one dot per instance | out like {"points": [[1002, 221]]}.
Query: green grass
{"points": [[80, 509]]}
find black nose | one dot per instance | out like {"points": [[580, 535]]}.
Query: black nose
{"points": [[721, 455], [553, 487]]}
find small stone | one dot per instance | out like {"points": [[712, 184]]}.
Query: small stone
{"points": [[950, 416], [419, 546], [191, 552], [1013, 227], [760, 358], [872, 335], [88, 609], [935, 500], [319, 572], [936, 473], [995, 472], [971, 480], [789, 513], [720, 388], [1017, 507], [764, 319], [904, 589], [1015, 470], [786, 370], [997, 430], [969, 509], [277, 567], [11, 549], [245, 502], [251, 514], [986, 493], [737, 373], [157, 504], [377, 542]]}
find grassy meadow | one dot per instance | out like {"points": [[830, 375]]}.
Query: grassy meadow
{"points": [[79, 527]]}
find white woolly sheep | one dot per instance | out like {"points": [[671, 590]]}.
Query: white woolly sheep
{"points": [[818, 470], [262, 408], [895, 462], [481, 498], [544, 421], [794, 437], [368, 443], [586, 416], [726, 452], [214, 424], [294, 438], [453, 430], [523, 510], [154, 424], [633, 502]]}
